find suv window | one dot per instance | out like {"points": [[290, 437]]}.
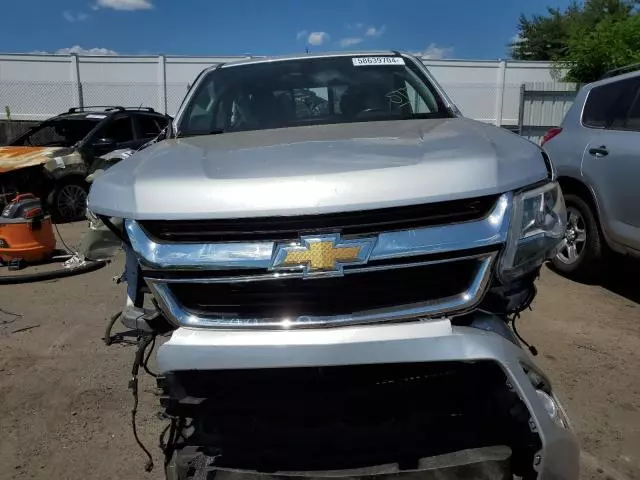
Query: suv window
{"points": [[607, 105], [58, 132], [149, 127], [120, 130], [633, 120]]}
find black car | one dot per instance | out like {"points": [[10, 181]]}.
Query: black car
{"points": [[53, 158]]}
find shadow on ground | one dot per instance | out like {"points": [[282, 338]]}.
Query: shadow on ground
{"points": [[620, 275]]}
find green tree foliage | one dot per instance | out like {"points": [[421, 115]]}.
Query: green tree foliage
{"points": [[584, 41], [543, 37], [593, 52]]}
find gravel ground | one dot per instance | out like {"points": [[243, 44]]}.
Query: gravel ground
{"points": [[65, 404]]}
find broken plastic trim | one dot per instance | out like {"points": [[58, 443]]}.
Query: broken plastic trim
{"points": [[119, 232], [480, 463]]}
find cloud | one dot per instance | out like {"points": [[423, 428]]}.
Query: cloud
{"points": [[355, 26], [318, 38], [69, 17], [347, 42], [77, 49], [435, 52], [301, 34], [516, 39], [129, 5], [375, 32]]}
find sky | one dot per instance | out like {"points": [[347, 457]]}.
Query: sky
{"points": [[465, 29]]}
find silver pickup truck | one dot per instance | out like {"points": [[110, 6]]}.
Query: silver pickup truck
{"points": [[336, 259]]}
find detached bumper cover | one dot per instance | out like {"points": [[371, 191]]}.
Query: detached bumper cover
{"points": [[424, 342]]}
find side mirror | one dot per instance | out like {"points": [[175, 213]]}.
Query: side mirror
{"points": [[104, 143]]}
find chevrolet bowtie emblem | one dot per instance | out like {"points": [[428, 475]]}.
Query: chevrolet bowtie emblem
{"points": [[322, 254]]}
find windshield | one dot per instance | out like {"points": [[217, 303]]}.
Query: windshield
{"points": [[311, 91], [59, 132]]}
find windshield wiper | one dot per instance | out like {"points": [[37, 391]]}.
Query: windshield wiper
{"points": [[197, 134]]}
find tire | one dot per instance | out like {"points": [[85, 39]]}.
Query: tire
{"points": [[580, 258], [67, 201]]}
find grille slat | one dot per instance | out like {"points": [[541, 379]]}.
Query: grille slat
{"points": [[348, 223], [422, 283], [346, 295]]}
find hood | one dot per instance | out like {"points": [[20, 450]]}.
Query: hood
{"points": [[317, 169], [14, 158]]}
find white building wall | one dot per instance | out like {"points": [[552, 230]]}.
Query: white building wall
{"points": [[35, 87]]}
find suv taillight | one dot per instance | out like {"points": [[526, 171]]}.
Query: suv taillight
{"points": [[550, 134]]}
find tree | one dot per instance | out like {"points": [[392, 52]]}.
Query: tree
{"points": [[591, 52], [585, 40], [544, 37]]}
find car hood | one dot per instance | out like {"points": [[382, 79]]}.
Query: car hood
{"points": [[14, 158], [317, 169]]}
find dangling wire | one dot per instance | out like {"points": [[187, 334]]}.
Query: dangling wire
{"points": [[532, 349], [515, 315], [146, 358], [133, 385], [108, 339]]}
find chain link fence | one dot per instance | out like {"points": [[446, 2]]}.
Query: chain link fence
{"points": [[22, 103], [37, 100], [123, 94], [22, 100], [10, 130], [26, 100], [175, 94], [40, 100]]}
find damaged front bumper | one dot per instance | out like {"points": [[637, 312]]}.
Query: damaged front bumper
{"points": [[477, 464], [432, 387]]}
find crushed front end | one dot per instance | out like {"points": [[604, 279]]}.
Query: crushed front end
{"points": [[344, 342], [338, 279]]}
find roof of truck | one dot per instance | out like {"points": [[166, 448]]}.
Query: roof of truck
{"points": [[302, 56]]}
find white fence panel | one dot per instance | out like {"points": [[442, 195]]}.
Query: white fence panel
{"points": [[35, 87], [544, 105], [35, 100], [475, 101], [123, 94]]}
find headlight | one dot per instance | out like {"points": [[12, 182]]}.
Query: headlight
{"points": [[536, 231]]}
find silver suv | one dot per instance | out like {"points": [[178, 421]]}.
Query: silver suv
{"points": [[338, 258], [597, 155]]}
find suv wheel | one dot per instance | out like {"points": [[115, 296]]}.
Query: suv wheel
{"points": [[579, 256], [68, 200]]}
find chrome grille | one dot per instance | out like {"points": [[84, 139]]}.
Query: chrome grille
{"points": [[421, 273], [349, 223], [361, 296]]}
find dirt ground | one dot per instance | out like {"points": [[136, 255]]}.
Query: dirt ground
{"points": [[65, 406]]}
